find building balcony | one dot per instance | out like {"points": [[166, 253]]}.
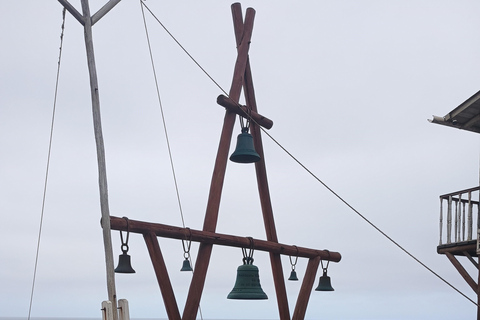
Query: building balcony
{"points": [[459, 223]]}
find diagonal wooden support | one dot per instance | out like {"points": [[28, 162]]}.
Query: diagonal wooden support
{"points": [[306, 289], [104, 10], [216, 185], [462, 271], [74, 12], [162, 276]]}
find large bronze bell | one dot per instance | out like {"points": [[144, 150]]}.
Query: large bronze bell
{"points": [[124, 265], [324, 284], [245, 151], [247, 286]]}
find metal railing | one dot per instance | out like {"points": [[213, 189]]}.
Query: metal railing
{"points": [[461, 211]]}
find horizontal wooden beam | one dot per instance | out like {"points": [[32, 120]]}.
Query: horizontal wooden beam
{"points": [[459, 248], [456, 193], [234, 107], [166, 231]]}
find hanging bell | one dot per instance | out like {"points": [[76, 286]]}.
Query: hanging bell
{"points": [[293, 276], [245, 151], [247, 286], [124, 265], [324, 284], [186, 265]]}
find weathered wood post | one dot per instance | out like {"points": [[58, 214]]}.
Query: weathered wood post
{"points": [[87, 21]]}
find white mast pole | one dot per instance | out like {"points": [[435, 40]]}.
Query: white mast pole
{"points": [[102, 175], [86, 21]]}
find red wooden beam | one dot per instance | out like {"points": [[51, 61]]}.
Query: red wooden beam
{"points": [[232, 106], [216, 186], [162, 276], [211, 238], [265, 200], [306, 289]]}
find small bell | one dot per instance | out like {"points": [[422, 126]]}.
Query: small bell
{"points": [[247, 285], [293, 276], [245, 151], [124, 265], [186, 265], [324, 284], [186, 254]]}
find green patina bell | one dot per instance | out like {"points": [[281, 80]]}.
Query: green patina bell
{"points": [[245, 151], [124, 261], [247, 286], [324, 284], [124, 264], [293, 276], [186, 265]]}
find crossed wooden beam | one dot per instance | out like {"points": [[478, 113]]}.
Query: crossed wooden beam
{"points": [[242, 78]]}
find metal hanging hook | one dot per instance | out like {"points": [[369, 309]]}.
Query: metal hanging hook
{"points": [[293, 273], [245, 120], [293, 264], [124, 246], [248, 258], [186, 249], [124, 264], [328, 261]]}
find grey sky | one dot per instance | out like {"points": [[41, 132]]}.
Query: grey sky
{"points": [[349, 85]]}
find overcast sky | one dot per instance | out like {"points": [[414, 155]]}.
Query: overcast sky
{"points": [[349, 85]]}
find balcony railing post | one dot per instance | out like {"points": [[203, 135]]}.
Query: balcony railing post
{"points": [[460, 222], [470, 222], [458, 210], [441, 220], [478, 226], [449, 220]]}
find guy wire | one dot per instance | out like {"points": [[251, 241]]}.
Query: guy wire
{"points": [[47, 166]]}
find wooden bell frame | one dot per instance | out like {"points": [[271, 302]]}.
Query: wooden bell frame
{"points": [[242, 78]]}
